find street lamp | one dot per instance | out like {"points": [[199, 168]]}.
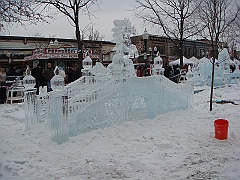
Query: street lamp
{"points": [[152, 52], [145, 36]]}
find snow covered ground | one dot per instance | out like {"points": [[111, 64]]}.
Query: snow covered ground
{"points": [[177, 145]]}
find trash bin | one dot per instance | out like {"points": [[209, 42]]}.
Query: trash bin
{"points": [[221, 129]]}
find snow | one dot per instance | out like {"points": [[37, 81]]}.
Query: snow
{"points": [[176, 145]]}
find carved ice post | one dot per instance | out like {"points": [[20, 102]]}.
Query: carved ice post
{"points": [[29, 100], [87, 67], [190, 83], [58, 109], [58, 116], [30, 108]]}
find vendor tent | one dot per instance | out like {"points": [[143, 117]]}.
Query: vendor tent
{"points": [[204, 59], [194, 59], [185, 61]]}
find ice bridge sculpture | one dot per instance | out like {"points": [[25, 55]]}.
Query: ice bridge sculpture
{"points": [[110, 96]]}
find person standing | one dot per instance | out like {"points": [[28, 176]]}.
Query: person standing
{"points": [[177, 74], [48, 74], [37, 74], [3, 95], [71, 74], [77, 73]]}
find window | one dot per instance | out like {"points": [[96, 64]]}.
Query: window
{"points": [[160, 49]]}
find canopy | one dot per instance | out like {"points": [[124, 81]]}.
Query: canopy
{"points": [[204, 59], [185, 61], [194, 59]]}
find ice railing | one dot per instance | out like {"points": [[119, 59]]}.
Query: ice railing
{"points": [[115, 102], [88, 96], [78, 85]]}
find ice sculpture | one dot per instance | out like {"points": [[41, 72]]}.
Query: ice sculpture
{"points": [[122, 32], [224, 68], [28, 81], [235, 76], [99, 72], [114, 96], [203, 73], [122, 64], [87, 65], [58, 117], [58, 109], [57, 81], [189, 74], [29, 99], [158, 63]]}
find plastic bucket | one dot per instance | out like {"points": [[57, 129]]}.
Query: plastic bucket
{"points": [[221, 129]]}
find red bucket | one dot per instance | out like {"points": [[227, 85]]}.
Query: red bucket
{"points": [[221, 129]]}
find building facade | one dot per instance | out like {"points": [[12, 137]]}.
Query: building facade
{"points": [[30, 51], [168, 49]]}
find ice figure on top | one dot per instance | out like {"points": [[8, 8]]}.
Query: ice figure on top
{"points": [[28, 80], [158, 63], [121, 64], [57, 80], [122, 33]]}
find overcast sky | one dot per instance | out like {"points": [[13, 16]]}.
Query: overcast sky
{"points": [[110, 11]]}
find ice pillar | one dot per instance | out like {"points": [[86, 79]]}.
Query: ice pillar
{"points": [[58, 117], [30, 108]]}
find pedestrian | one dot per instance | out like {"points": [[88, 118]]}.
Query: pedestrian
{"points": [[177, 74], [37, 74], [71, 74], [77, 73], [2, 76], [11, 73], [3, 95], [167, 71], [48, 74]]}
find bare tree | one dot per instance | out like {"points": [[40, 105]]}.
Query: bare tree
{"points": [[173, 17], [218, 16], [94, 35], [21, 12], [72, 9]]}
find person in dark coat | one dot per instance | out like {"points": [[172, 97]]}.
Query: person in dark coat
{"points": [[167, 71], [77, 73], [37, 74], [11, 73], [71, 74], [177, 74], [48, 74]]}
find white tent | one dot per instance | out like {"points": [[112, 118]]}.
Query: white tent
{"points": [[204, 59], [185, 61], [194, 59]]}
